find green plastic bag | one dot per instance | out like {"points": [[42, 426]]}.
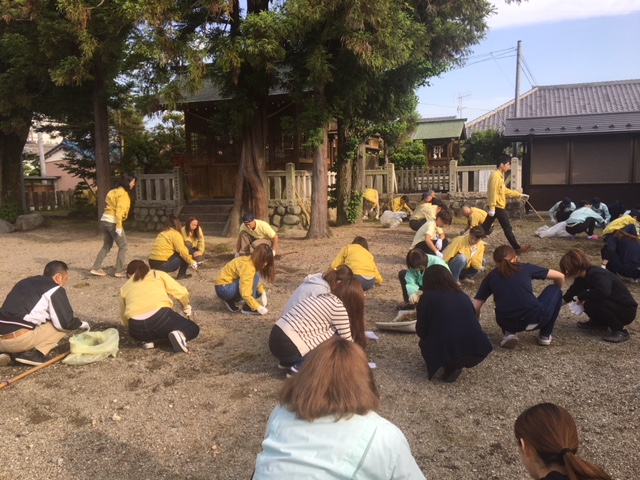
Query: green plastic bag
{"points": [[89, 347]]}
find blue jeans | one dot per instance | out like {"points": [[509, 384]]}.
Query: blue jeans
{"points": [[231, 292], [542, 317], [367, 283], [457, 266], [173, 263], [110, 236]]}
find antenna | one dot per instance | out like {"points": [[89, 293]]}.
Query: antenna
{"points": [[461, 98]]}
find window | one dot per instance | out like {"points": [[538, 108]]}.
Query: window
{"points": [[601, 160], [549, 161]]}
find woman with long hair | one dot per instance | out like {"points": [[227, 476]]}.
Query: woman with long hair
{"points": [[193, 237], [621, 255], [360, 260], [169, 252], [317, 284], [605, 298], [316, 319], [450, 334], [240, 280], [115, 213], [517, 308], [326, 425], [146, 308], [548, 444]]}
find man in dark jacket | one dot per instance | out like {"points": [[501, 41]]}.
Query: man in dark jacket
{"points": [[36, 315]]}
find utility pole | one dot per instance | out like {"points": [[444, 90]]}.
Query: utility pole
{"points": [[516, 104]]}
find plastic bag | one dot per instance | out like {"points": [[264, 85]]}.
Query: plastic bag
{"points": [[391, 219], [559, 230], [89, 347]]}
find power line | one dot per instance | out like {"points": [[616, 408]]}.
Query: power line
{"points": [[526, 66]]}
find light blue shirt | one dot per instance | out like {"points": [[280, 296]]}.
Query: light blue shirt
{"points": [[366, 447], [603, 211], [581, 214], [554, 209]]}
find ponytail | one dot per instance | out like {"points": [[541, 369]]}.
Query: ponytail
{"points": [[137, 269], [503, 256]]}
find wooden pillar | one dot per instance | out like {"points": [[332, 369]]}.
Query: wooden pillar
{"points": [[290, 182], [453, 176], [516, 175]]}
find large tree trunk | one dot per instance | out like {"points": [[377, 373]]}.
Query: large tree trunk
{"points": [[251, 195], [101, 139], [11, 146], [343, 178], [358, 179], [319, 224]]}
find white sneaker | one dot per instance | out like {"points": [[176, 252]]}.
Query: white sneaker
{"points": [[99, 272], [545, 341], [178, 341], [148, 345], [510, 340], [5, 359]]}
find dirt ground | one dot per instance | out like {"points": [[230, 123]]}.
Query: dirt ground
{"points": [[153, 414]]}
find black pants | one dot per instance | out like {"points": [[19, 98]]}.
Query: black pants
{"points": [[416, 224], [403, 284], [173, 263], [503, 217], [425, 248], [161, 324], [587, 226], [561, 215], [611, 314], [468, 361]]}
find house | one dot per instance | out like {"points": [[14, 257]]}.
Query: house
{"points": [[580, 140], [57, 157], [441, 137]]}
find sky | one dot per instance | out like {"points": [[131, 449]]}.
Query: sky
{"points": [[563, 41]]}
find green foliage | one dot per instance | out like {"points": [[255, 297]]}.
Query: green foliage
{"points": [[484, 147], [354, 207], [10, 212], [409, 154]]}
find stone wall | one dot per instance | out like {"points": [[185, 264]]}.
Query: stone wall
{"points": [[284, 216], [151, 218]]}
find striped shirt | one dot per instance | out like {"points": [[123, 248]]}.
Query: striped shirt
{"points": [[314, 320]]}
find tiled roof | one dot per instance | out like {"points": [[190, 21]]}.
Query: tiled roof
{"points": [[438, 128], [621, 122], [564, 100]]}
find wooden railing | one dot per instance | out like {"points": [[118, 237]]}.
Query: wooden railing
{"points": [[38, 201], [159, 188], [421, 179]]}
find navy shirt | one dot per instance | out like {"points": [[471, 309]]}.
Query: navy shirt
{"points": [[513, 296]]}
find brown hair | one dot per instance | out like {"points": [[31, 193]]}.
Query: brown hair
{"points": [[187, 226], [445, 216], [551, 431], [336, 275], [417, 259], [621, 234], [351, 295], [137, 269], [334, 380], [172, 222], [574, 263], [503, 256], [439, 278], [262, 259], [477, 232], [361, 241]]}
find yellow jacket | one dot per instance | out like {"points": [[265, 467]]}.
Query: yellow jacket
{"points": [[262, 230], [242, 269], [149, 294], [117, 205], [497, 191], [476, 218], [197, 240], [619, 224], [167, 243], [397, 206], [371, 195], [359, 260], [425, 210], [461, 245]]}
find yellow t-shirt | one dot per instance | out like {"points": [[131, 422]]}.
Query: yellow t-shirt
{"points": [[167, 243], [241, 268], [262, 230], [425, 211], [359, 260]]}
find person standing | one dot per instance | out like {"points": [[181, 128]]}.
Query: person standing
{"points": [[450, 335], [548, 443], [465, 255], [36, 315], [497, 194], [115, 213], [517, 308], [254, 232], [604, 297]]}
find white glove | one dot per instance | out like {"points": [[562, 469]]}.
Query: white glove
{"points": [[84, 326], [575, 308], [554, 221], [415, 297], [236, 255], [187, 310], [262, 310], [491, 213], [439, 244], [194, 265], [119, 231], [274, 252], [263, 298], [525, 196], [439, 254]]}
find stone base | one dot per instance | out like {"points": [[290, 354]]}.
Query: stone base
{"points": [[283, 216], [148, 219]]}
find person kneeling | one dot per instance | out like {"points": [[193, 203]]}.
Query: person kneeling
{"points": [[465, 255], [146, 309]]}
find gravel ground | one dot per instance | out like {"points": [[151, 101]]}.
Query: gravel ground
{"points": [[153, 414]]}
